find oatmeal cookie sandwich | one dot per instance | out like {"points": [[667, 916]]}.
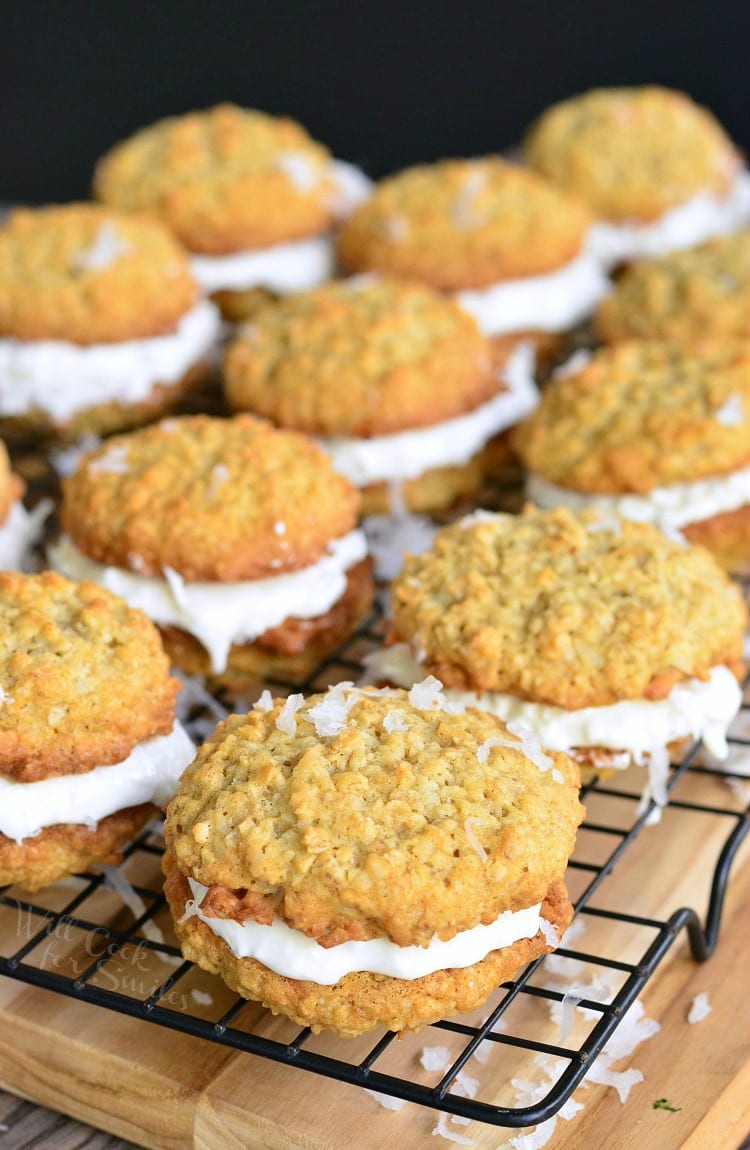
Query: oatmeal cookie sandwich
{"points": [[606, 639], [101, 325], [657, 170], [240, 541], [367, 858], [89, 746], [510, 246], [395, 382], [657, 432], [252, 197]]}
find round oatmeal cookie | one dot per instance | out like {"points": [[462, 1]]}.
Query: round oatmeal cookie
{"points": [[687, 296], [390, 826], [12, 487], [223, 179], [69, 848], [638, 415], [86, 274], [463, 224], [360, 358], [632, 153], [360, 1001], [213, 499], [84, 677], [566, 609]]}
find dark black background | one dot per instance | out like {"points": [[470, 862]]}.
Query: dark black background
{"points": [[385, 83]]}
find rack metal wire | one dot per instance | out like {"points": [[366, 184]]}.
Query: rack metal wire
{"points": [[93, 933]]}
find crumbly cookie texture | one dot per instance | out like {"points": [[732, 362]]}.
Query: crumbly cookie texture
{"points": [[640, 415], [12, 486], [223, 179], [213, 499], [566, 609], [359, 1001], [632, 153], [290, 651], [84, 677], [697, 294], [372, 831], [69, 848], [463, 224], [360, 359], [85, 274]]}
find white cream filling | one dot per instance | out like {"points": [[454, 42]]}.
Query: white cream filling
{"points": [[220, 614], [148, 775], [61, 378], [700, 218], [669, 508], [19, 533], [292, 954], [552, 302], [642, 727], [285, 268], [408, 454]]}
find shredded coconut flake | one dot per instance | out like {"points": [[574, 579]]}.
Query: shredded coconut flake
{"points": [[530, 745], [428, 696], [265, 702], [202, 997], [435, 1058], [286, 720], [6, 700], [113, 461], [191, 909], [385, 1100], [622, 1081], [194, 694], [279, 527], [464, 1085], [106, 249], [116, 881], [395, 721], [177, 586], [442, 1130], [699, 1008], [217, 476], [731, 413], [329, 716], [577, 360], [64, 460], [569, 1003], [473, 838], [298, 168], [549, 932]]}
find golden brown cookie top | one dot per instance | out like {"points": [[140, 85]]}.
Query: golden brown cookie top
{"points": [[212, 499], [463, 224], [642, 415], [223, 179], [564, 609], [84, 677], [632, 153], [696, 294], [360, 358], [12, 486], [86, 274], [364, 814]]}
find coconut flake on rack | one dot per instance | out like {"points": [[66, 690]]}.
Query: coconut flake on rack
{"points": [[442, 1130], [116, 881], [202, 997], [435, 1059], [699, 1008], [285, 720], [385, 1100]]}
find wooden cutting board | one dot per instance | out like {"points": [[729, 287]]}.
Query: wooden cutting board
{"points": [[169, 1091]]}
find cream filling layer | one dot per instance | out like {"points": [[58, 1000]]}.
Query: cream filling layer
{"points": [[700, 218], [291, 267], [292, 954], [148, 775], [642, 727], [61, 379], [670, 508], [552, 302], [408, 454], [19, 533], [220, 614]]}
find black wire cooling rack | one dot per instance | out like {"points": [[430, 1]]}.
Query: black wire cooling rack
{"points": [[77, 944]]}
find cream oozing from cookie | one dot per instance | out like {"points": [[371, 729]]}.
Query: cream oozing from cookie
{"points": [[292, 954], [700, 218], [409, 454], [291, 267], [670, 508], [643, 728], [221, 614], [61, 379], [19, 533], [552, 302], [148, 775]]}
